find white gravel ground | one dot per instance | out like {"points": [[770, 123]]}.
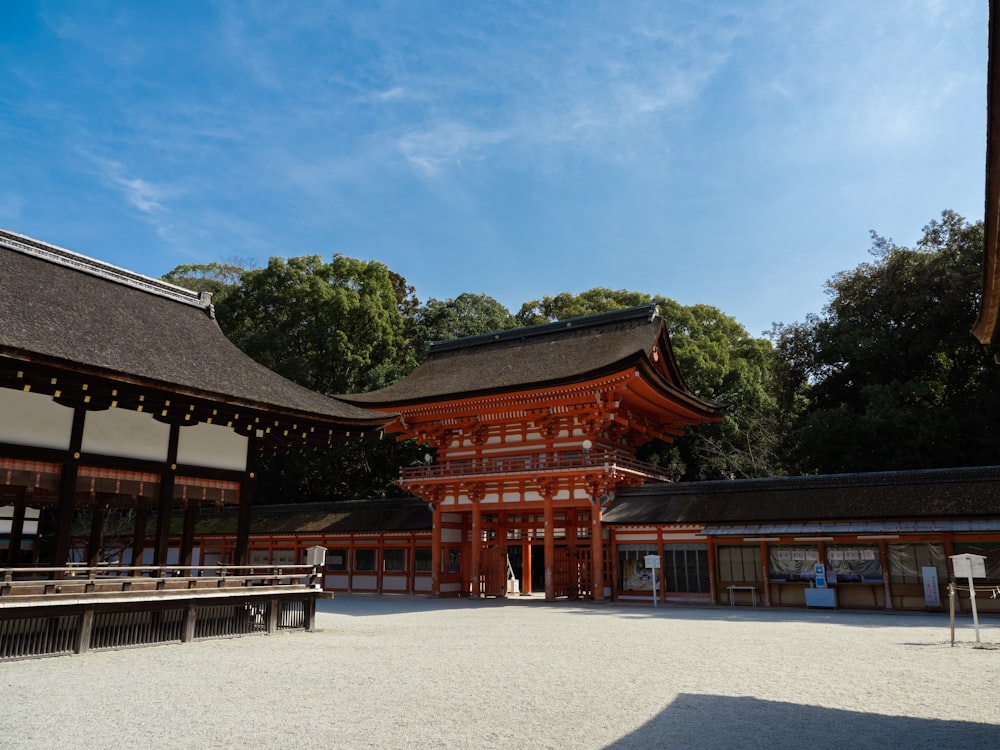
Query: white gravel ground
{"points": [[413, 672]]}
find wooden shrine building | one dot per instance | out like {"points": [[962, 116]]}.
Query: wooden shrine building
{"points": [[120, 392], [533, 431]]}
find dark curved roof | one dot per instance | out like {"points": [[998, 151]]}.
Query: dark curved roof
{"points": [[547, 355], [937, 494], [65, 310], [391, 514]]}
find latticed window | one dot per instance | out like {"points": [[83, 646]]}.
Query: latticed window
{"points": [[336, 559], [364, 560], [394, 560], [422, 559], [907, 561], [685, 568], [739, 563]]}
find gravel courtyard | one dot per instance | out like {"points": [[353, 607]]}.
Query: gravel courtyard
{"points": [[413, 672]]}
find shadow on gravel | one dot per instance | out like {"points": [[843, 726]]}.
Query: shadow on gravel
{"points": [[713, 721]]}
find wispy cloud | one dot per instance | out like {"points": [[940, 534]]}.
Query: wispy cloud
{"points": [[448, 143], [143, 195]]}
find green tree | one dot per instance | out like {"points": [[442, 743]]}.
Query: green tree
{"points": [[720, 362], [333, 327], [465, 315], [350, 471], [217, 278], [566, 305], [889, 376]]}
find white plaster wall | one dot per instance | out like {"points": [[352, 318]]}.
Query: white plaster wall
{"points": [[338, 581], [212, 445], [393, 582], [34, 419], [130, 434], [637, 537]]}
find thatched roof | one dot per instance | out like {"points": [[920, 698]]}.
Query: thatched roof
{"points": [[544, 356], [66, 311], [911, 500]]}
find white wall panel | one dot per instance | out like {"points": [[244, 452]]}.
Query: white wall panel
{"points": [[130, 434], [212, 445], [34, 419]]}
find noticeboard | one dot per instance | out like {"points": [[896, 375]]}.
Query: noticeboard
{"points": [[651, 561], [969, 566]]}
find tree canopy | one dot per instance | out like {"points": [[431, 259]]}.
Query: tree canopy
{"points": [[886, 377], [217, 278], [333, 327], [720, 362], [567, 305], [889, 377], [465, 315]]}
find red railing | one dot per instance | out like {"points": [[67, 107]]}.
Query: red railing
{"points": [[606, 463]]}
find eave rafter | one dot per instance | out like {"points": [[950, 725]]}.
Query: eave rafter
{"points": [[544, 410], [96, 392]]}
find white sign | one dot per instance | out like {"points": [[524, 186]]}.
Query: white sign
{"points": [[651, 561], [969, 566], [932, 594]]}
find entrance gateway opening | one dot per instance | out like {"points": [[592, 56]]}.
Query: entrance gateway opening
{"points": [[515, 564]]}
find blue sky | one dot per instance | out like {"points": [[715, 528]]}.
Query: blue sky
{"points": [[729, 153]]}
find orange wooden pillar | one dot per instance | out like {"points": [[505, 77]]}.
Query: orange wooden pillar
{"points": [[883, 553], [526, 563], [476, 550], [436, 549], [550, 548], [597, 551], [712, 584], [765, 573]]}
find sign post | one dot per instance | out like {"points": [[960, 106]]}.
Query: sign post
{"points": [[970, 566], [653, 563]]}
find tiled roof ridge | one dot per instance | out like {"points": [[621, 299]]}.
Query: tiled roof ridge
{"points": [[61, 256], [644, 313]]}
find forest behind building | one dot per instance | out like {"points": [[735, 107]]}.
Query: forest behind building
{"points": [[886, 377]]}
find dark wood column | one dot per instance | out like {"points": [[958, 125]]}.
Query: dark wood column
{"points": [[165, 504], [16, 529], [139, 530], [97, 519], [187, 538], [242, 552], [67, 492]]}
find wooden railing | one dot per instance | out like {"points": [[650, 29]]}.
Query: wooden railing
{"points": [[73, 609], [608, 463], [141, 580]]}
